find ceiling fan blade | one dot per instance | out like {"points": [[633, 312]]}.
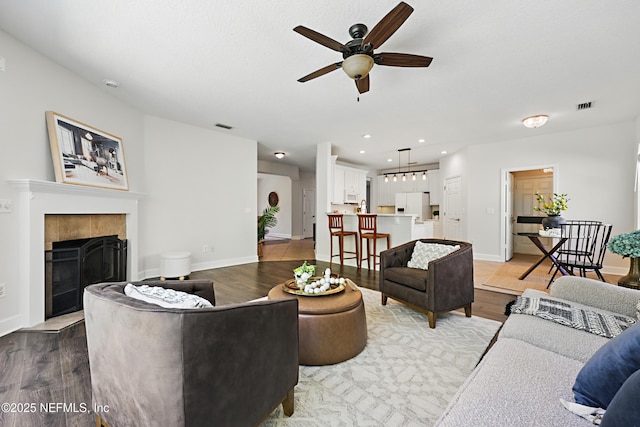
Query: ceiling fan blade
{"points": [[320, 72], [321, 38], [388, 25], [402, 60], [363, 84]]}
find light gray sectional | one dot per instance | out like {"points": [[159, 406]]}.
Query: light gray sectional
{"points": [[534, 362]]}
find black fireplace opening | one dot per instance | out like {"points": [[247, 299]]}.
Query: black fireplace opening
{"points": [[72, 265]]}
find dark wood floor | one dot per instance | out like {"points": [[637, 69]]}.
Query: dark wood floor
{"points": [[244, 282], [50, 370]]}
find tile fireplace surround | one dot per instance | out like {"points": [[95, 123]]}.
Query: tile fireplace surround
{"points": [[40, 198]]}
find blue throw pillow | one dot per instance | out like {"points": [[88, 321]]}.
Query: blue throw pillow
{"points": [[624, 409], [603, 375]]}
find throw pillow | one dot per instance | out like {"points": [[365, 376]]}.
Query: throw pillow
{"points": [[164, 297], [424, 253], [624, 409], [602, 376]]}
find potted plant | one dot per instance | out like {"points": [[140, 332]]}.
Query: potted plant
{"points": [[553, 208], [628, 245], [266, 221]]}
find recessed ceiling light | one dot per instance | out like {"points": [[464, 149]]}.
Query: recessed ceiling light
{"points": [[111, 83], [535, 121], [389, 160], [421, 140], [443, 152], [366, 136], [279, 154], [361, 151]]}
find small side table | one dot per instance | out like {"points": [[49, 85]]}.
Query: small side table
{"points": [[535, 239]]}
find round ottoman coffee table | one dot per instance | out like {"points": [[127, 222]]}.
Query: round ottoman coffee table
{"points": [[332, 328]]}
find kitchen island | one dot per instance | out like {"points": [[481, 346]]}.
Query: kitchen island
{"points": [[403, 228]]}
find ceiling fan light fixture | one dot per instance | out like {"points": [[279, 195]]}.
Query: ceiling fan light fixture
{"points": [[357, 66], [279, 154], [535, 121]]}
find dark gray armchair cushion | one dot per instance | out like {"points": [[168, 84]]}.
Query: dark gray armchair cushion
{"points": [[412, 277], [227, 365]]}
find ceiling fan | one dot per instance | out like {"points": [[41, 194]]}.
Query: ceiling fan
{"points": [[358, 54]]}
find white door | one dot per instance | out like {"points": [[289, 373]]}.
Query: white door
{"points": [[453, 208], [509, 220], [524, 198], [309, 214]]}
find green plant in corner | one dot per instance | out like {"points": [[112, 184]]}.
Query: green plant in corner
{"points": [[267, 220], [627, 245]]}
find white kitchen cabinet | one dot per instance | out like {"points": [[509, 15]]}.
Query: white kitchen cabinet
{"points": [[349, 185], [418, 186], [385, 196], [435, 186], [338, 185]]}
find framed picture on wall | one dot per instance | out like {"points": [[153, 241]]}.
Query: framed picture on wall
{"points": [[84, 155]]}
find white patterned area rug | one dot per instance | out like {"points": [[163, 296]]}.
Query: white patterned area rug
{"points": [[405, 376]]}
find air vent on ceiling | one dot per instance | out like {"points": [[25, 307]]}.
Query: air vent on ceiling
{"points": [[584, 106], [223, 126]]}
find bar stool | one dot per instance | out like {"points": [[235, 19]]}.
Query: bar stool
{"points": [[368, 228], [336, 229]]}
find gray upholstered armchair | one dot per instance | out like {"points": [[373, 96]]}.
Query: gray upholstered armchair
{"points": [[445, 286], [225, 366]]}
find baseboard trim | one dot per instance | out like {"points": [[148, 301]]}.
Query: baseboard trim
{"points": [[199, 266], [487, 257], [11, 324]]}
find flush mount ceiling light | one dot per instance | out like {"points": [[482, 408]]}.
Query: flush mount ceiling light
{"points": [[279, 154], [535, 121]]}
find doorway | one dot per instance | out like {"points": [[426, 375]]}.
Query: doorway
{"points": [[519, 189], [309, 213], [452, 208]]}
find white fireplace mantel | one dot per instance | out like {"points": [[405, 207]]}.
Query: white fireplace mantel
{"points": [[39, 198]]}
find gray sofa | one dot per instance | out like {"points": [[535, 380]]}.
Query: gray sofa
{"points": [[534, 362], [229, 365]]}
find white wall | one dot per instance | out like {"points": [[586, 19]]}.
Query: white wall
{"points": [[193, 194], [281, 185], [324, 190], [31, 85], [596, 168], [198, 194]]}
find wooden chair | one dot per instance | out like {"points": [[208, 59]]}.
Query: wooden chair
{"points": [[336, 229], [368, 229]]}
